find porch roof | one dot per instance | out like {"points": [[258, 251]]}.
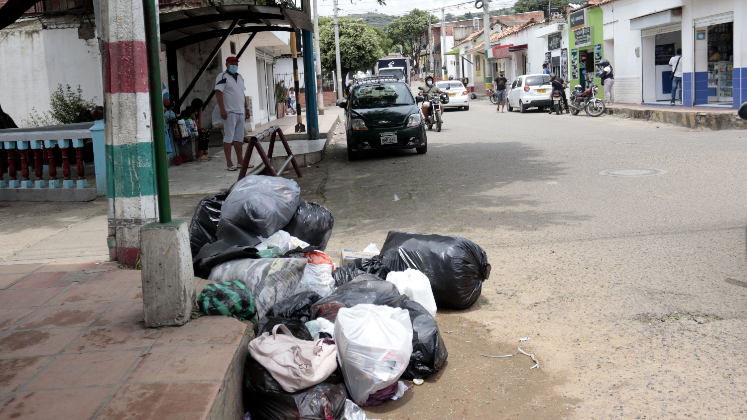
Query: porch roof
{"points": [[186, 27]]}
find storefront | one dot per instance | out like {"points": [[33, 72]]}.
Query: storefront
{"points": [[585, 39], [555, 38], [714, 52]]}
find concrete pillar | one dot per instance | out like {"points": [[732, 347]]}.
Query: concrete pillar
{"points": [[167, 274], [131, 187]]}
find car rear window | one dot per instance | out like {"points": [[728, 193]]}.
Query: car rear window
{"points": [[381, 96], [537, 80], [391, 72]]}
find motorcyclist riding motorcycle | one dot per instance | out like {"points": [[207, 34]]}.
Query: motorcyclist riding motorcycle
{"points": [[430, 87], [559, 85]]}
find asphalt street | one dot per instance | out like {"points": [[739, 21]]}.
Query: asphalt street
{"points": [[632, 289]]}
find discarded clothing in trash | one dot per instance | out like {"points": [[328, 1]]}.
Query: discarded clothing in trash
{"points": [[311, 223], [261, 205], [374, 347], [294, 363], [455, 266], [269, 279], [228, 298], [317, 277], [394, 391], [265, 399], [374, 265]]}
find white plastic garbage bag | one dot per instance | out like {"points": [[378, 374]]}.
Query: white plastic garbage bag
{"points": [[320, 325], [416, 286], [269, 279], [374, 344], [318, 274], [282, 240], [353, 412]]}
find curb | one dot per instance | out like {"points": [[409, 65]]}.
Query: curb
{"points": [[708, 120]]}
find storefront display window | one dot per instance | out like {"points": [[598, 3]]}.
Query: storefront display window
{"points": [[720, 62]]}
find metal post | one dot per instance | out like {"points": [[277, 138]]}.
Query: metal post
{"points": [[443, 44], [337, 56], [156, 110], [300, 128], [486, 33], [319, 87], [430, 44], [312, 117]]}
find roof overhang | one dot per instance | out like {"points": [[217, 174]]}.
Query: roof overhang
{"points": [[665, 17], [550, 29], [186, 27]]}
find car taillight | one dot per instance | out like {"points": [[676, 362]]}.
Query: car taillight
{"points": [[526, 88], [464, 93]]}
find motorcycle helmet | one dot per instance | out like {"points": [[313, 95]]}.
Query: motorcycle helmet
{"points": [[604, 63], [429, 81], [444, 98], [451, 77]]}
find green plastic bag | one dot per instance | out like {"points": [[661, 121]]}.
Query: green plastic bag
{"points": [[229, 298]]}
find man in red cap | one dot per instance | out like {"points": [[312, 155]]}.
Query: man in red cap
{"points": [[229, 92]]}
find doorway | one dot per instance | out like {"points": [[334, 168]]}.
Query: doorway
{"points": [[658, 46]]}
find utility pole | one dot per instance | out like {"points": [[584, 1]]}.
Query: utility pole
{"points": [[337, 55], [430, 45], [486, 32], [443, 45], [319, 90]]}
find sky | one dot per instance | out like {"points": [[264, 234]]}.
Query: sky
{"points": [[400, 7]]}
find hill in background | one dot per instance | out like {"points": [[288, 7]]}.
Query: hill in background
{"points": [[378, 20]]}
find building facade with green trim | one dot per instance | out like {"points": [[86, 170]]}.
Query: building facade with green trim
{"points": [[586, 45]]}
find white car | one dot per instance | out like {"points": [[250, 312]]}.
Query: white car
{"points": [[530, 90], [458, 95]]}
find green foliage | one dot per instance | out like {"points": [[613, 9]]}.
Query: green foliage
{"points": [[523, 6], [377, 20], [66, 107], [280, 93], [361, 45], [407, 30]]}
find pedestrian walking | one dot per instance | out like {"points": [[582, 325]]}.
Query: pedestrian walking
{"points": [[608, 79], [229, 92], [676, 76], [292, 100], [500, 91]]}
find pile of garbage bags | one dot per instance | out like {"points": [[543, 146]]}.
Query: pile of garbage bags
{"points": [[328, 340]]}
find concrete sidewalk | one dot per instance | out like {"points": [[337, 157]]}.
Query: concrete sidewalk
{"points": [[690, 117], [73, 346]]}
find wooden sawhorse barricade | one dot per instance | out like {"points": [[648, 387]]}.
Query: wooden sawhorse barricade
{"points": [[266, 166]]}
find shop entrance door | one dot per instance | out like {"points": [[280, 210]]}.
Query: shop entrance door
{"points": [[658, 46], [720, 63]]}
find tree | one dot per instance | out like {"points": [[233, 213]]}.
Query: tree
{"points": [[523, 6], [361, 45], [450, 17], [407, 31]]}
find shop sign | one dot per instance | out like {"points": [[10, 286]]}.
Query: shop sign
{"points": [[548, 57], [583, 36], [597, 59], [578, 19], [700, 35], [556, 61], [564, 63], [574, 64], [554, 40]]}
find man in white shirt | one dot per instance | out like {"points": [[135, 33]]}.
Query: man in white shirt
{"points": [[674, 62], [229, 92]]}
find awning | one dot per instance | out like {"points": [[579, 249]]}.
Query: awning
{"points": [[453, 52], [665, 18], [521, 47], [501, 51], [190, 26]]}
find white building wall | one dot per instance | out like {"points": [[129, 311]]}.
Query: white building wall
{"points": [[34, 61], [284, 69]]}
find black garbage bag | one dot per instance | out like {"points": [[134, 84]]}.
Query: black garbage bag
{"points": [[312, 223], [365, 288], [295, 307], [456, 267], [202, 230], [261, 205], [230, 298], [217, 253], [429, 352], [265, 399], [359, 266], [296, 327]]}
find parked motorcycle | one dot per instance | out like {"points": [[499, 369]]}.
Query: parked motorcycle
{"points": [[587, 101], [557, 102]]}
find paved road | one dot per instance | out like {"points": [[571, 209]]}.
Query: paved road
{"points": [[632, 289]]}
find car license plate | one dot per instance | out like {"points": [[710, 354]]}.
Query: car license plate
{"points": [[541, 90], [388, 138], [451, 95]]}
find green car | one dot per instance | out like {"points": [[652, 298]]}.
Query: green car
{"points": [[381, 113]]}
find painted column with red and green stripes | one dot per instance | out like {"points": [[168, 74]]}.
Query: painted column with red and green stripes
{"points": [[131, 180]]}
